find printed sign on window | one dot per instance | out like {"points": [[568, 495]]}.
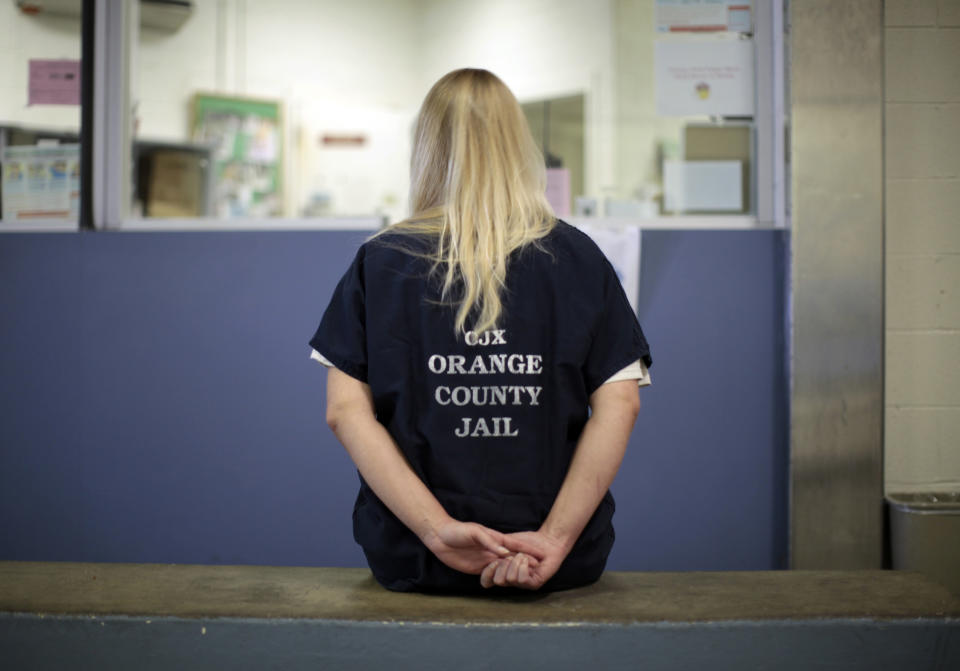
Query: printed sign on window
{"points": [[703, 16], [713, 78]]}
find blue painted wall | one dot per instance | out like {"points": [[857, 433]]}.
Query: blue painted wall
{"points": [[157, 403]]}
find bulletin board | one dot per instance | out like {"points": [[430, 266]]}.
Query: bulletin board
{"points": [[246, 135]]}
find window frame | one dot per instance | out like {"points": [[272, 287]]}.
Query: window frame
{"points": [[115, 47]]}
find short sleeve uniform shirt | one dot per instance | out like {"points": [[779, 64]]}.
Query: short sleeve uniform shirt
{"points": [[489, 421]]}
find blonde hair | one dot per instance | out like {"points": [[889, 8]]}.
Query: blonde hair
{"points": [[477, 183]]}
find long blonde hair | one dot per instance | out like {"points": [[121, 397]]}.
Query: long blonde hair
{"points": [[477, 182]]}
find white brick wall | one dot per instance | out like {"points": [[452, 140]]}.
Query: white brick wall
{"points": [[922, 144]]}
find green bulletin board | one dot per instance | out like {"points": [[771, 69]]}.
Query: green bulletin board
{"points": [[247, 137]]}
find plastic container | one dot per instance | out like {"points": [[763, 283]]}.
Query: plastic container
{"points": [[925, 535]]}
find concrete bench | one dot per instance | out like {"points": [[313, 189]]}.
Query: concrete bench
{"points": [[152, 616]]}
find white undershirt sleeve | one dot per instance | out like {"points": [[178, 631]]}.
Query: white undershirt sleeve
{"points": [[634, 371], [316, 356]]}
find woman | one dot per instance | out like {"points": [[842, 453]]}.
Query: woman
{"points": [[485, 365]]}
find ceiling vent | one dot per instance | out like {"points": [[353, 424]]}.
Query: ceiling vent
{"points": [[166, 15]]}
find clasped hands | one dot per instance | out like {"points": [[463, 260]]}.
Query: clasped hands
{"points": [[526, 559]]}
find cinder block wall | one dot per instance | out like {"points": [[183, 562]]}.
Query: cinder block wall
{"points": [[922, 142]]}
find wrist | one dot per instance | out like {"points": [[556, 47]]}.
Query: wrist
{"points": [[429, 530], [558, 535]]}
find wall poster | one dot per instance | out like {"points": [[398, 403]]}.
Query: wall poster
{"points": [[41, 182], [247, 139], [53, 82]]}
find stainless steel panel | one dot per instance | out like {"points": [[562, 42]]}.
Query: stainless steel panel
{"points": [[836, 432]]}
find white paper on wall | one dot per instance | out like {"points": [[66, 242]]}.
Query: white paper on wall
{"points": [[621, 246], [703, 186], [708, 78]]}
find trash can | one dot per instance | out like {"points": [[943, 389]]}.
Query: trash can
{"points": [[925, 535]]}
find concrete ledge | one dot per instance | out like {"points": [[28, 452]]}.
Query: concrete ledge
{"points": [[163, 616], [352, 594]]}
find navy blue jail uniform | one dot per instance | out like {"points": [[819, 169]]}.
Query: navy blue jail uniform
{"points": [[489, 421]]}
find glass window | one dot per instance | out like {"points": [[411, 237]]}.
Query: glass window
{"points": [[40, 115], [297, 108]]}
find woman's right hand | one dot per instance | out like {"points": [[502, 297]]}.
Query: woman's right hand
{"points": [[538, 557]]}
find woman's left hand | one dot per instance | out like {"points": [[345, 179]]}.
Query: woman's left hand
{"points": [[467, 547]]}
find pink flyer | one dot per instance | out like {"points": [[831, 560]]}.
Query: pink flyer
{"points": [[54, 82]]}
